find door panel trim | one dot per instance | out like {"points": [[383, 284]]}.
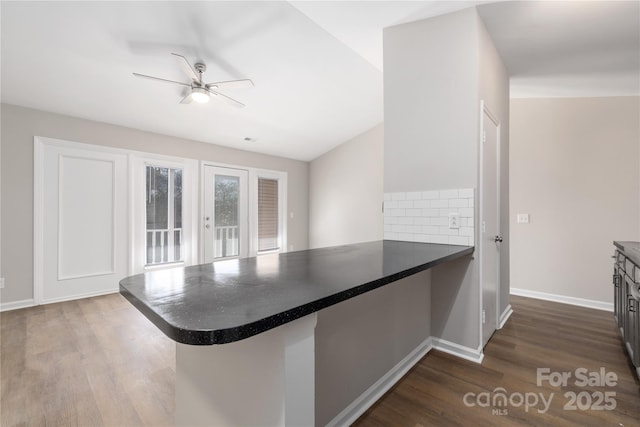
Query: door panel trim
{"points": [[64, 267]]}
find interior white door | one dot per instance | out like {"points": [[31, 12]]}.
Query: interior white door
{"points": [[225, 217], [490, 224], [83, 218]]}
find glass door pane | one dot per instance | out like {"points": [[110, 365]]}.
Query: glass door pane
{"points": [[227, 192], [225, 213]]}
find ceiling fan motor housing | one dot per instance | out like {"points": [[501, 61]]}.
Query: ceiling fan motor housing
{"points": [[200, 67]]}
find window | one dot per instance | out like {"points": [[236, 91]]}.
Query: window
{"points": [[268, 215], [163, 215], [226, 215]]}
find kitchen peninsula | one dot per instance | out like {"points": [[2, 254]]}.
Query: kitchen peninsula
{"points": [[244, 328]]}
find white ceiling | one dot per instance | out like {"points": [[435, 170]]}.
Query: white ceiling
{"points": [[317, 66], [568, 48]]}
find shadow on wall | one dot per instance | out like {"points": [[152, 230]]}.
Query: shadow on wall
{"points": [[451, 291]]}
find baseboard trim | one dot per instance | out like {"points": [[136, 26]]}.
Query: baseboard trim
{"points": [[506, 314], [79, 296], [15, 305], [363, 402], [472, 354], [598, 305]]}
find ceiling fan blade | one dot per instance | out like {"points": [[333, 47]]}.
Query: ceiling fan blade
{"points": [[231, 101], [186, 100], [144, 76], [231, 84], [188, 69]]}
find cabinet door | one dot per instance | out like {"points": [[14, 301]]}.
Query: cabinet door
{"points": [[618, 290], [634, 329], [630, 326]]}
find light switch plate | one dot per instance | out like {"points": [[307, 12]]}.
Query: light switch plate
{"points": [[522, 218], [454, 220]]}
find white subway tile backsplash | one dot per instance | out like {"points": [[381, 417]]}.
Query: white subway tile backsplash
{"points": [[428, 195], [446, 231], [430, 229], [440, 221], [439, 203], [398, 228], [459, 240], [449, 194], [466, 231], [397, 212], [458, 203], [416, 229], [390, 219], [420, 220], [424, 216], [465, 193], [466, 212]]}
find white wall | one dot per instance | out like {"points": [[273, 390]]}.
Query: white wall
{"points": [[575, 169], [20, 125], [345, 192], [431, 104], [436, 73], [361, 339], [494, 90]]}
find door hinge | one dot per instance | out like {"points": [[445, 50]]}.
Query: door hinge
{"points": [[484, 136], [484, 317]]}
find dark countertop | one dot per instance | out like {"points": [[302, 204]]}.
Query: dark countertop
{"points": [[630, 249], [232, 300]]}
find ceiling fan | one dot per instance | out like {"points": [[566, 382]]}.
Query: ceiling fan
{"points": [[198, 90]]}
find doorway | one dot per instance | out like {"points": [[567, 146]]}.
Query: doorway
{"points": [[225, 217], [490, 237]]}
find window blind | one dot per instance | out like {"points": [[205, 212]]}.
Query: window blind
{"points": [[267, 214]]}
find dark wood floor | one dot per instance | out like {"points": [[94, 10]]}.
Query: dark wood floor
{"points": [[99, 362], [540, 334]]}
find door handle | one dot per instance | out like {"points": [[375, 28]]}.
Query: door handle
{"points": [[497, 239]]}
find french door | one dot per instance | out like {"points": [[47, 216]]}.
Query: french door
{"points": [[225, 217]]}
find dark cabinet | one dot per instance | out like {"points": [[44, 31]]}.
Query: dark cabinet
{"points": [[626, 302]]}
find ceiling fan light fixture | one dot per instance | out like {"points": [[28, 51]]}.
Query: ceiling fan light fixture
{"points": [[200, 95]]}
